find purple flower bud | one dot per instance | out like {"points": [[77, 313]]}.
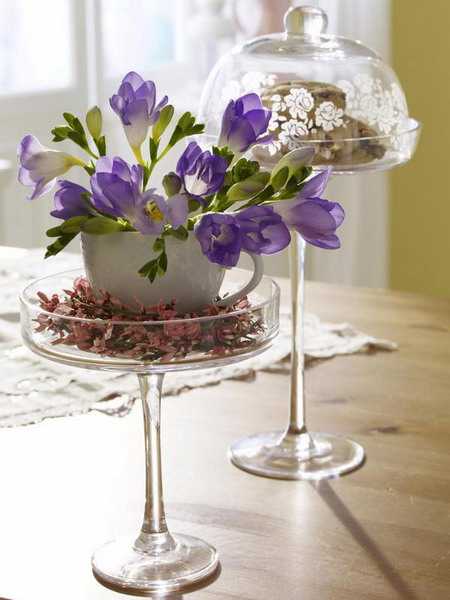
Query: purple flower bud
{"points": [[244, 122], [70, 200], [220, 238], [262, 230], [202, 173], [315, 218], [135, 103]]}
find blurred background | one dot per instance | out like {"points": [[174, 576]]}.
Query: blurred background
{"points": [[67, 55]]}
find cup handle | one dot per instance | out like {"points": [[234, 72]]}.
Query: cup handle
{"points": [[258, 271]]}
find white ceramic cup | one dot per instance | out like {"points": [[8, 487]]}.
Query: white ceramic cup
{"points": [[112, 262]]}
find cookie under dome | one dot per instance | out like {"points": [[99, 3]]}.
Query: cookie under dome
{"points": [[325, 91]]}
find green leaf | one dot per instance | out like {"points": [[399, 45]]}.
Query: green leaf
{"points": [[244, 168], [186, 126], [302, 174], [250, 187], [159, 245], [293, 161], [153, 149], [150, 269], [280, 179], [54, 231], [162, 262], [165, 116], [74, 224], [59, 244], [74, 122], [78, 138], [60, 133], [180, 233], [193, 205], [224, 152], [101, 226]]}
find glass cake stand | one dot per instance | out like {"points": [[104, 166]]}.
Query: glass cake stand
{"points": [[297, 453], [154, 561]]}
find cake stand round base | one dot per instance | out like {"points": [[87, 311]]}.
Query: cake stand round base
{"points": [[280, 455], [123, 566]]}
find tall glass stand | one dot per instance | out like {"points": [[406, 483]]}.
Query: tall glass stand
{"points": [[297, 453], [156, 560]]}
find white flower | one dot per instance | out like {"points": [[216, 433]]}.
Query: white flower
{"points": [[328, 116], [291, 131], [299, 102], [40, 166]]}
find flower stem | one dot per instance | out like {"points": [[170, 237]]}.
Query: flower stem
{"points": [[138, 154]]}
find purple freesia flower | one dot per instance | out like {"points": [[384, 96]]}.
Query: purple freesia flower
{"points": [[201, 172], [244, 122], [220, 238], [40, 166], [135, 103], [117, 191], [116, 186], [262, 230], [70, 200], [315, 218]]}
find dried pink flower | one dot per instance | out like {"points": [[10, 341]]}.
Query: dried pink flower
{"points": [[136, 332]]}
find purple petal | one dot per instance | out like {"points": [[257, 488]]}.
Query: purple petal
{"points": [[227, 119], [241, 135], [24, 177], [179, 210], [259, 120], [248, 103], [310, 216], [117, 103], [315, 186], [126, 91], [147, 92], [28, 146], [133, 79], [327, 242]]}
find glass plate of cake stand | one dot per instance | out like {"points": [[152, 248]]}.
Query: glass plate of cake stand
{"points": [[154, 561], [337, 96]]}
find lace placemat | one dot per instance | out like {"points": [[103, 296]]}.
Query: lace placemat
{"points": [[33, 389]]}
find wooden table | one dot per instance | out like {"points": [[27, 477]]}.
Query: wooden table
{"points": [[382, 532]]}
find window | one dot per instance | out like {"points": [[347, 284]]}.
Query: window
{"points": [[28, 39]]}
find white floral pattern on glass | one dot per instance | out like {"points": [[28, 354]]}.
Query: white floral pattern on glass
{"points": [[290, 132], [300, 102], [328, 116], [278, 103], [369, 101]]}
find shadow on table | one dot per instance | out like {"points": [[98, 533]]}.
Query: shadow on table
{"points": [[360, 535]]}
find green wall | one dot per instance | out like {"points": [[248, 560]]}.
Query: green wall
{"points": [[420, 191]]}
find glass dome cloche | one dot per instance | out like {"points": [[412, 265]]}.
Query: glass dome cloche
{"points": [[325, 91]]}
